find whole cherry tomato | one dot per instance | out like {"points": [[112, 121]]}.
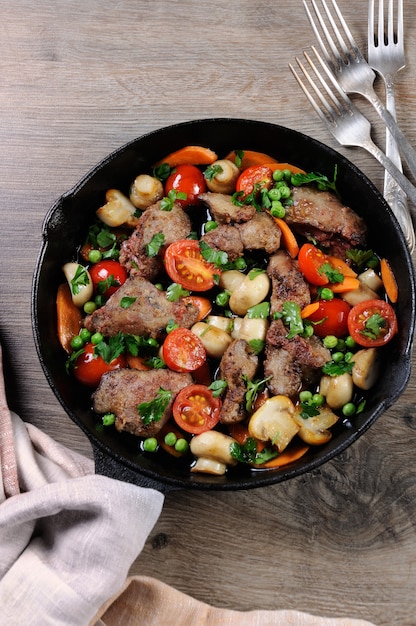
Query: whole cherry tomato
{"points": [[89, 366], [196, 410], [107, 277], [331, 318], [186, 179], [372, 323], [185, 265]]}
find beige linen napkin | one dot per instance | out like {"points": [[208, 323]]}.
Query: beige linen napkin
{"points": [[68, 538]]}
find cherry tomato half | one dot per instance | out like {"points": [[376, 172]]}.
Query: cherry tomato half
{"points": [[372, 323], [186, 179], [107, 277], [183, 351], [311, 260], [185, 265], [331, 318], [89, 367], [260, 175], [196, 410]]}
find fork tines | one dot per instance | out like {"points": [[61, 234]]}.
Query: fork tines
{"points": [[338, 103], [347, 50]]}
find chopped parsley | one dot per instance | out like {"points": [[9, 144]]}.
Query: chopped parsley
{"points": [[322, 181], [153, 410], [154, 245], [218, 387], [111, 350], [254, 387], [247, 452], [259, 311], [176, 291], [216, 257], [162, 172], [374, 326], [127, 301], [333, 275], [212, 171], [81, 279], [166, 204], [292, 318]]}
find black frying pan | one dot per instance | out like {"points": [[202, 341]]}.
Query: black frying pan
{"points": [[66, 225]]}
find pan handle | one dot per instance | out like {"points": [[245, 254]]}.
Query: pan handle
{"points": [[110, 467]]}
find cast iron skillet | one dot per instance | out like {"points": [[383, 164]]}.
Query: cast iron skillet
{"points": [[65, 227]]}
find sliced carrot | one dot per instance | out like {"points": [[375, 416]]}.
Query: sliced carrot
{"points": [[341, 266], [348, 284], [309, 309], [389, 281], [202, 304], [294, 453], [68, 315], [189, 155], [294, 169], [250, 158], [289, 239], [137, 363]]}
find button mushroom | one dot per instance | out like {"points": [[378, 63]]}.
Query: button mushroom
{"points": [[314, 430], [79, 281], [213, 452], [251, 291], [221, 176], [145, 191], [214, 339], [338, 390], [118, 210], [366, 368], [274, 422]]}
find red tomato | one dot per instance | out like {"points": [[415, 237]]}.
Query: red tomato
{"points": [[311, 260], [256, 175], [107, 277], [89, 367], [185, 265], [196, 410], [183, 351], [186, 179], [372, 323], [332, 316]]}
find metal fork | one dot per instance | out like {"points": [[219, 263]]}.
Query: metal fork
{"points": [[341, 116], [352, 70], [386, 56]]}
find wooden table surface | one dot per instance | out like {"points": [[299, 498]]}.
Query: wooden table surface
{"points": [[79, 79]]}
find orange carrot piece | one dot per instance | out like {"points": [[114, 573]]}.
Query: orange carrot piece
{"points": [[288, 456], [309, 309], [341, 266], [189, 155], [289, 239], [348, 284], [68, 315], [250, 158], [389, 281], [137, 363], [202, 304], [294, 169]]}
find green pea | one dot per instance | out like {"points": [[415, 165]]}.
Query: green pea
{"points": [[330, 342], [305, 396], [341, 345], [348, 356], [150, 444], [211, 225], [89, 307], [326, 293], [85, 334], [278, 175], [95, 256], [307, 329], [240, 263], [349, 409], [287, 174], [96, 338], [181, 445], [274, 194], [222, 298], [318, 399], [108, 419], [99, 301], [277, 209], [77, 342], [170, 439], [337, 357], [349, 342], [285, 192]]}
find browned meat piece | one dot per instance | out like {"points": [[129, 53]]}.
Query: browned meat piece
{"points": [[227, 238], [224, 211], [147, 316], [174, 225], [237, 361], [288, 282], [289, 361], [122, 391], [321, 215], [260, 233]]}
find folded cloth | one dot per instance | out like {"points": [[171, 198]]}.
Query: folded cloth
{"points": [[68, 538]]}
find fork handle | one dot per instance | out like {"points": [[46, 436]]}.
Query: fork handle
{"points": [[406, 149], [399, 177]]}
